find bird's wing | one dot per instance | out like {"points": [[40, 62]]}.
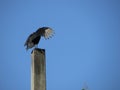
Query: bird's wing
{"points": [[46, 32], [30, 38]]}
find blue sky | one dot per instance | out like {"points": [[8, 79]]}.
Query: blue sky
{"points": [[85, 48]]}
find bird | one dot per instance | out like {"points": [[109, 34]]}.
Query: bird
{"points": [[34, 38]]}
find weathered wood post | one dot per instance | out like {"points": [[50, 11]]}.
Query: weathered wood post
{"points": [[38, 70]]}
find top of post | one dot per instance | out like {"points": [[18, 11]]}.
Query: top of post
{"points": [[38, 50]]}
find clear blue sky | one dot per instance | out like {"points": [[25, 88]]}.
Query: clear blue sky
{"points": [[85, 48]]}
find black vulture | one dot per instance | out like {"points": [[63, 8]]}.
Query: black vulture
{"points": [[35, 37]]}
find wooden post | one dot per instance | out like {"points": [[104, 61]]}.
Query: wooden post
{"points": [[38, 70]]}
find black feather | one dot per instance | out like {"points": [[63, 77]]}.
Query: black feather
{"points": [[35, 37]]}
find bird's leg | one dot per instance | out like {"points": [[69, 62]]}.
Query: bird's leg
{"points": [[36, 46]]}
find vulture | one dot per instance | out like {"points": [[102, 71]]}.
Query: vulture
{"points": [[35, 37]]}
